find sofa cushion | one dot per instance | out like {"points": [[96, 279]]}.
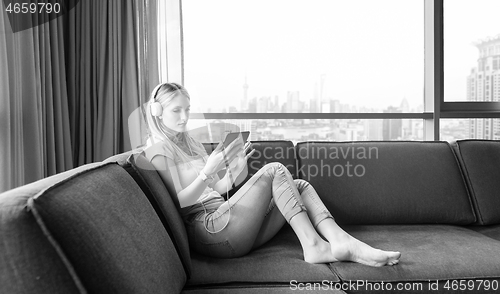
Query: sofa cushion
{"points": [[166, 207], [277, 262], [428, 252], [387, 182], [110, 233], [492, 231], [29, 261], [480, 161]]}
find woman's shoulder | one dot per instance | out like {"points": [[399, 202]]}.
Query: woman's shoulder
{"points": [[158, 149]]}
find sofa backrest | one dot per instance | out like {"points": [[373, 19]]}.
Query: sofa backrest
{"points": [[30, 263], [105, 230], [480, 160], [265, 152], [121, 158], [273, 151], [167, 207], [387, 182]]}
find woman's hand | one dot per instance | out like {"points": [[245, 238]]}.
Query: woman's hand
{"points": [[221, 157], [238, 171], [241, 161]]}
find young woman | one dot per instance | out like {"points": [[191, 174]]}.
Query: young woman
{"points": [[258, 210]]}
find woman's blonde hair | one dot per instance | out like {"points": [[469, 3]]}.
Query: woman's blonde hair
{"points": [[178, 142]]}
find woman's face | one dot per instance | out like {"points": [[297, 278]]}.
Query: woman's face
{"points": [[176, 114]]}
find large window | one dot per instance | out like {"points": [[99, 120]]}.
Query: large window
{"points": [[340, 70], [304, 56]]}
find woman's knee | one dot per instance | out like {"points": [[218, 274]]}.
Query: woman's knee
{"points": [[301, 184], [277, 167], [274, 165]]}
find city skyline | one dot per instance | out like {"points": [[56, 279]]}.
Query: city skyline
{"points": [[294, 102]]}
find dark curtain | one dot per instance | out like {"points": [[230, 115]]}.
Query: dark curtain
{"points": [[69, 86], [34, 121], [108, 63]]}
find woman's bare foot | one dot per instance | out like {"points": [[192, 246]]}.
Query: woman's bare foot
{"points": [[320, 252], [351, 249], [341, 245]]}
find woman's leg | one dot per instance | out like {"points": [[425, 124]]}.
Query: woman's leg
{"points": [[287, 199], [250, 212], [246, 212], [343, 245], [273, 222]]}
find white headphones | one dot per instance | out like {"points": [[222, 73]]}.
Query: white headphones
{"points": [[155, 106], [156, 109]]}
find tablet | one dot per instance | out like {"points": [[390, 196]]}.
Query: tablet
{"points": [[232, 136]]}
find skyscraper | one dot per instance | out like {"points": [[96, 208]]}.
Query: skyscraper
{"points": [[392, 128], [263, 104], [244, 101], [315, 104], [483, 84], [293, 103], [405, 123]]}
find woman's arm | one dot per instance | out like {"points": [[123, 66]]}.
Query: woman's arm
{"points": [[189, 195], [225, 184], [168, 173]]}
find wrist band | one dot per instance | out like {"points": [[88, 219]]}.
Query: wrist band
{"points": [[205, 178]]}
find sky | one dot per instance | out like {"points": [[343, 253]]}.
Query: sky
{"points": [[371, 53]]}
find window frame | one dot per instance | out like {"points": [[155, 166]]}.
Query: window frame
{"points": [[435, 108]]}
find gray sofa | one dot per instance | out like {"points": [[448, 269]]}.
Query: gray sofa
{"points": [[112, 227]]}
